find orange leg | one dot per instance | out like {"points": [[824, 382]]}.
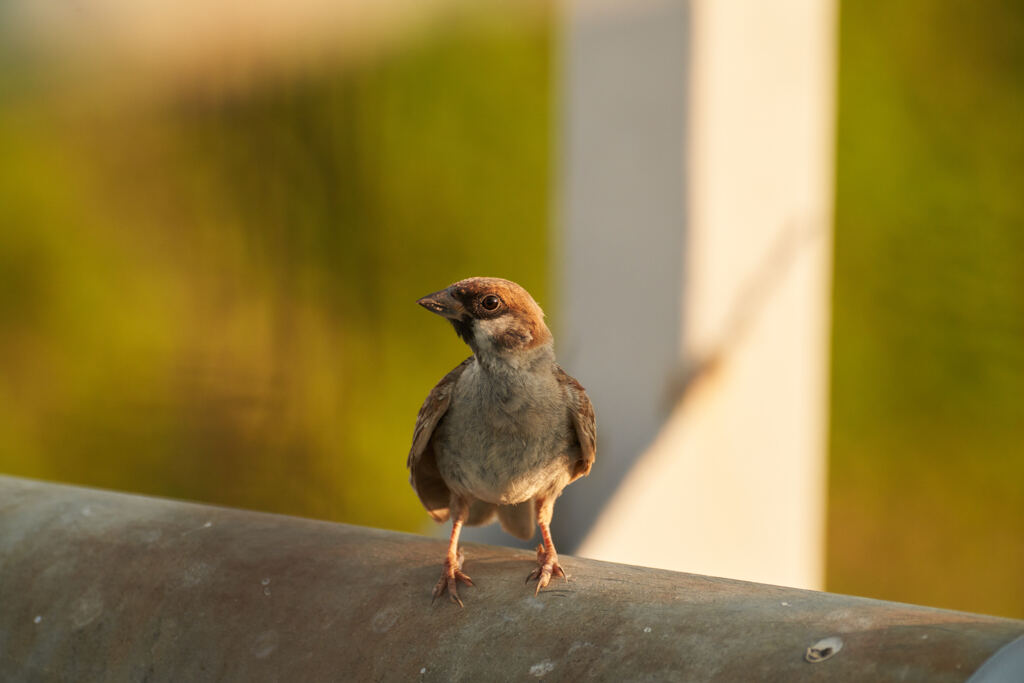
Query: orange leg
{"points": [[451, 573], [547, 558]]}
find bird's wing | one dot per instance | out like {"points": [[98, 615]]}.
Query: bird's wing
{"points": [[424, 476], [582, 413]]}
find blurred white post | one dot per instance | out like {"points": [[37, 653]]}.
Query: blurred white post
{"points": [[695, 251]]}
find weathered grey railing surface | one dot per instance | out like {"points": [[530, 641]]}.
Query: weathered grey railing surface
{"points": [[102, 586]]}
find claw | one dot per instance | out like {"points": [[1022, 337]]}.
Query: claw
{"points": [[451, 575], [547, 567]]}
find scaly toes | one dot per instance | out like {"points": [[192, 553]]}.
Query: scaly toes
{"points": [[451, 575], [446, 585], [452, 587], [544, 577], [547, 567]]}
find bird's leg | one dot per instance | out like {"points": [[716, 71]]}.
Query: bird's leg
{"points": [[451, 573], [547, 558]]}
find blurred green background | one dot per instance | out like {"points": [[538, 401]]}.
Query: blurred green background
{"points": [[209, 291], [207, 287], [926, 488]]}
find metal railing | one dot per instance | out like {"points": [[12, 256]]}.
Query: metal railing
{"points": [[101, 586]]}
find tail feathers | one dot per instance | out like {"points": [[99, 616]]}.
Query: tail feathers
{"points": [[517, 519], [480, 513]]}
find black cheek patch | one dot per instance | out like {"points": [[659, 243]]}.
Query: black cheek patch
{"points": [[464, 328], [512, 338]]}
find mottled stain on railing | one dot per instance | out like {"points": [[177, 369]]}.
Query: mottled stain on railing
{"points": [[104, 586]]}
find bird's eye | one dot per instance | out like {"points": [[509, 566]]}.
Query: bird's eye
{"points": [[490, 302]]}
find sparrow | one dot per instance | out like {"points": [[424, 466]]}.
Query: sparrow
{"points": [[505, 431]]}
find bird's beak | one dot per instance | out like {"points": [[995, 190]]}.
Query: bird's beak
{"points": [[444, 304]]}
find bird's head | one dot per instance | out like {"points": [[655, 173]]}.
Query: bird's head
{"points": [[492, 315]]}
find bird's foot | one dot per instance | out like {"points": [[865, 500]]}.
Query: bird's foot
{"points": [[451, 574], [547, 566]]}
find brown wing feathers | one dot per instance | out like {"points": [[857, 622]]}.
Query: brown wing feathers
{"points": [[582, 413], [423, 473]]}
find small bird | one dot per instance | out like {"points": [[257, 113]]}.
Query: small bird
{"points": [[505, 431]]}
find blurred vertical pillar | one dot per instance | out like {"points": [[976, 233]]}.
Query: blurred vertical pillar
{"points": [[694, 242]]}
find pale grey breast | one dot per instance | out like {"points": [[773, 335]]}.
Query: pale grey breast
{"points": [[505, 441]]}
